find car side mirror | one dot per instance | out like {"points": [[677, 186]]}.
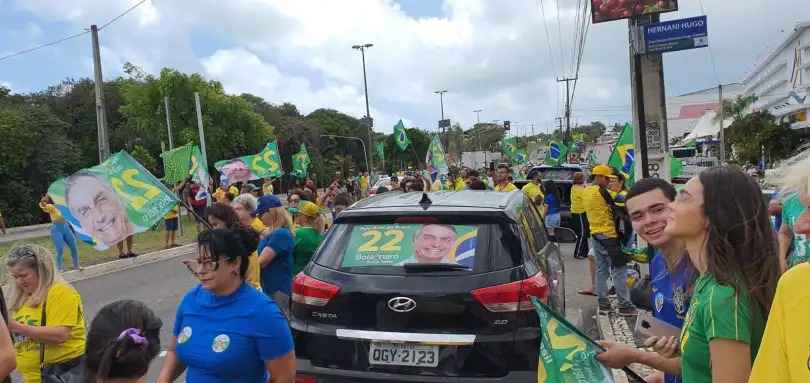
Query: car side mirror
{"points": [[563, 235]]}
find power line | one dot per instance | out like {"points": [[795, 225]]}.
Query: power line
{"points": [[43, 46], [122, 15], [548, 38], [69, 37], [559, 37], [711, 54]]}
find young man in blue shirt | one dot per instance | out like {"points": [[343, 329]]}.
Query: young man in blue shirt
{"points": [[671, 276]]}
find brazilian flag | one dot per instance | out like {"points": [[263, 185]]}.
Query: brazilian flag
{"points": [[401, 136]]}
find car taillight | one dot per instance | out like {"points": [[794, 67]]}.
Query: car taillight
{"points": [[312, 292], [513, 296], [305, 379]]}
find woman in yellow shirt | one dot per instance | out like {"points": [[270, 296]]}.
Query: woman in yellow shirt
{"points": [[61, 234], [40, 295]]}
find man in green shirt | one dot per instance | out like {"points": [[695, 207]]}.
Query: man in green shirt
{"points": [[307, 238], [716, 312]]}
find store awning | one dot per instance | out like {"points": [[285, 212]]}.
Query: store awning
{"points": [[706, 127]]}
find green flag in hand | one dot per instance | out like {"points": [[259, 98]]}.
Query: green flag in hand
{"points": [[557, 153], [401, 136], [301, 162], [675, 167], [520, 156], [623, 156], [566, 354], [381, 150], [509, 146]]}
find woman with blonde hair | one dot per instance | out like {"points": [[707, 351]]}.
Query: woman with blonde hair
{"points": [[45, 311], [783, 354], [275, 251]]}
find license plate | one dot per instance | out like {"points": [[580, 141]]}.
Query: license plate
{"points": [[404, 354]]}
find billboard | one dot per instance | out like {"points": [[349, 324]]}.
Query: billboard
{"points": [[609, 10]]}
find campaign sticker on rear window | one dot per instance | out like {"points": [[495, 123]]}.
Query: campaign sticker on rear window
{"points": [[399, 244]]}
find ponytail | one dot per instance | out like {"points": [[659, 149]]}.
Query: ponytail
{"points": [[122, 341]]}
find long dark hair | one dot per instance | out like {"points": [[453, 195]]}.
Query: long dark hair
{"points": [[740, 242], [122, 340], [223, 212], [551, 188]]}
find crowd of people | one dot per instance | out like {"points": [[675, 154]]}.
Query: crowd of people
{"points": [[722, 273]]}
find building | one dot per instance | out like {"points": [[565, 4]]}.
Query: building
{"points": [[782, 80], [684, 111]]}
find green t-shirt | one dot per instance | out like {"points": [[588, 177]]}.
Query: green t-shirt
{"points": [[307, 240], [792, 208], [716, 312]]}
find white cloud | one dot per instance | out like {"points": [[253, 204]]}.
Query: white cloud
{"points": [[489, 55], [6, 85]]}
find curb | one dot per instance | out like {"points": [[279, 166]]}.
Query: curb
{"points": [[616, 328], [122, 264], [26, 229]]}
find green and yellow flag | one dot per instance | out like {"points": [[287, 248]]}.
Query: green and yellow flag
{"points": [[623, 157], [301, 163], [566, 354], [401, 136], [520, 157], [381, 150], [557, 153], [252, 167], [509, 146]]}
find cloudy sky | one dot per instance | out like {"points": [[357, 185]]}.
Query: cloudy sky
{"points": [[489, 55]]}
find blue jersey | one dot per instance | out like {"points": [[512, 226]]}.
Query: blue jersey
{"points": [[669, 294], [228, 339], [553, 204], [277, 275]]}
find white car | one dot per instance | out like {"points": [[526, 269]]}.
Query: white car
{"points": [[383, 181]]}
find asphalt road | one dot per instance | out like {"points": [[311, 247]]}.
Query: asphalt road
{"points": [[162, 285]]}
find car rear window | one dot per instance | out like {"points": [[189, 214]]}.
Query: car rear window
{"points": [[558, 174], [385, 248]]}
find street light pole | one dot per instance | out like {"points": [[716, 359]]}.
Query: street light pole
{"points": [[362, 48], [477, 116], [441, 102], [352, 138], [478, 134]]}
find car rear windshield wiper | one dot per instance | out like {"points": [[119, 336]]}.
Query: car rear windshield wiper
{"points": [[427, 267]]}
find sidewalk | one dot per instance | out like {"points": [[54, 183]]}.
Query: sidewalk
{"points": [[620, 329]]}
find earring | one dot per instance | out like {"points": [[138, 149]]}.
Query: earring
{"points": [[235, 273]]}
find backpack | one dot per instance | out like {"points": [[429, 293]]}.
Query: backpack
{"points": [[621, 219]]}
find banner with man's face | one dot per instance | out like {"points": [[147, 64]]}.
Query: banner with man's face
{"points": [[266, 164], [400, 244], [109, 202]]}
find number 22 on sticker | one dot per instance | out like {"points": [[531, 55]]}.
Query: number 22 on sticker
{"points": [[392, 237]]}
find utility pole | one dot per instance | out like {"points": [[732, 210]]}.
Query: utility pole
{"points": [[202, 138], [101, 109], [441, 122], [650, 132], [362, 48], [722, 135], [567, 81], [477, 116], [169, 122], [560, 120]]}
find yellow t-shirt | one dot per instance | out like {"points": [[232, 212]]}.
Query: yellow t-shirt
{"points": [[63, 309], [267, 189], [258, 225], [600, 217], [577, 206], [219, 195], [56, 216], [173, 213], [532, 190], [363, 183], [461, 184], [783, 354], [252, 274], [233, 190], [509, 187]]}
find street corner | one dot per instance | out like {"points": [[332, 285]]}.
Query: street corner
{"points": [[120, 264], [617, 328]]}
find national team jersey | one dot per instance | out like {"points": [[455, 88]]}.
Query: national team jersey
{"points": [[669, 295]]}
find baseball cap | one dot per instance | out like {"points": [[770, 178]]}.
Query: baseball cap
{"points": [[252, 187], [308, 209], [603, 170], [267, 202]]}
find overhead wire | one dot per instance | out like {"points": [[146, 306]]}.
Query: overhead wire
{"points": [[548, 38], [559, 37], [70, 37], [711, 54]]}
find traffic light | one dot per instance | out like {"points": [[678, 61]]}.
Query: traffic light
{"points": [[506, 125]]}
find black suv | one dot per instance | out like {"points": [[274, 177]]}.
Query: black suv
{"points": [[563, 176], [428, 287]]}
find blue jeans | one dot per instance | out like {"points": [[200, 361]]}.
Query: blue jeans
{"points": [[62, 235], [552, 220], [609, 267]]}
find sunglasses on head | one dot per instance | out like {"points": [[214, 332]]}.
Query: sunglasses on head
{"points": [[21, 252]]}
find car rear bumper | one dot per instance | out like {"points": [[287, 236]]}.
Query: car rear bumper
{"points": [[333, 375]]}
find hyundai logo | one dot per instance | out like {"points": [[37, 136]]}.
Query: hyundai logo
{"points": [[401, 304]]}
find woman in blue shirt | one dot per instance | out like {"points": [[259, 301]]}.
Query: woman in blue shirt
{"points": [[275, 252], [225, 330], [551, 205]]}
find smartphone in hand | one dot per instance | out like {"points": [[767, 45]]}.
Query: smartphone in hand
{"points": [[650, 326]]}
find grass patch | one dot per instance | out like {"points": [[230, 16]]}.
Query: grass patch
{"points": [[143, 243]]}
